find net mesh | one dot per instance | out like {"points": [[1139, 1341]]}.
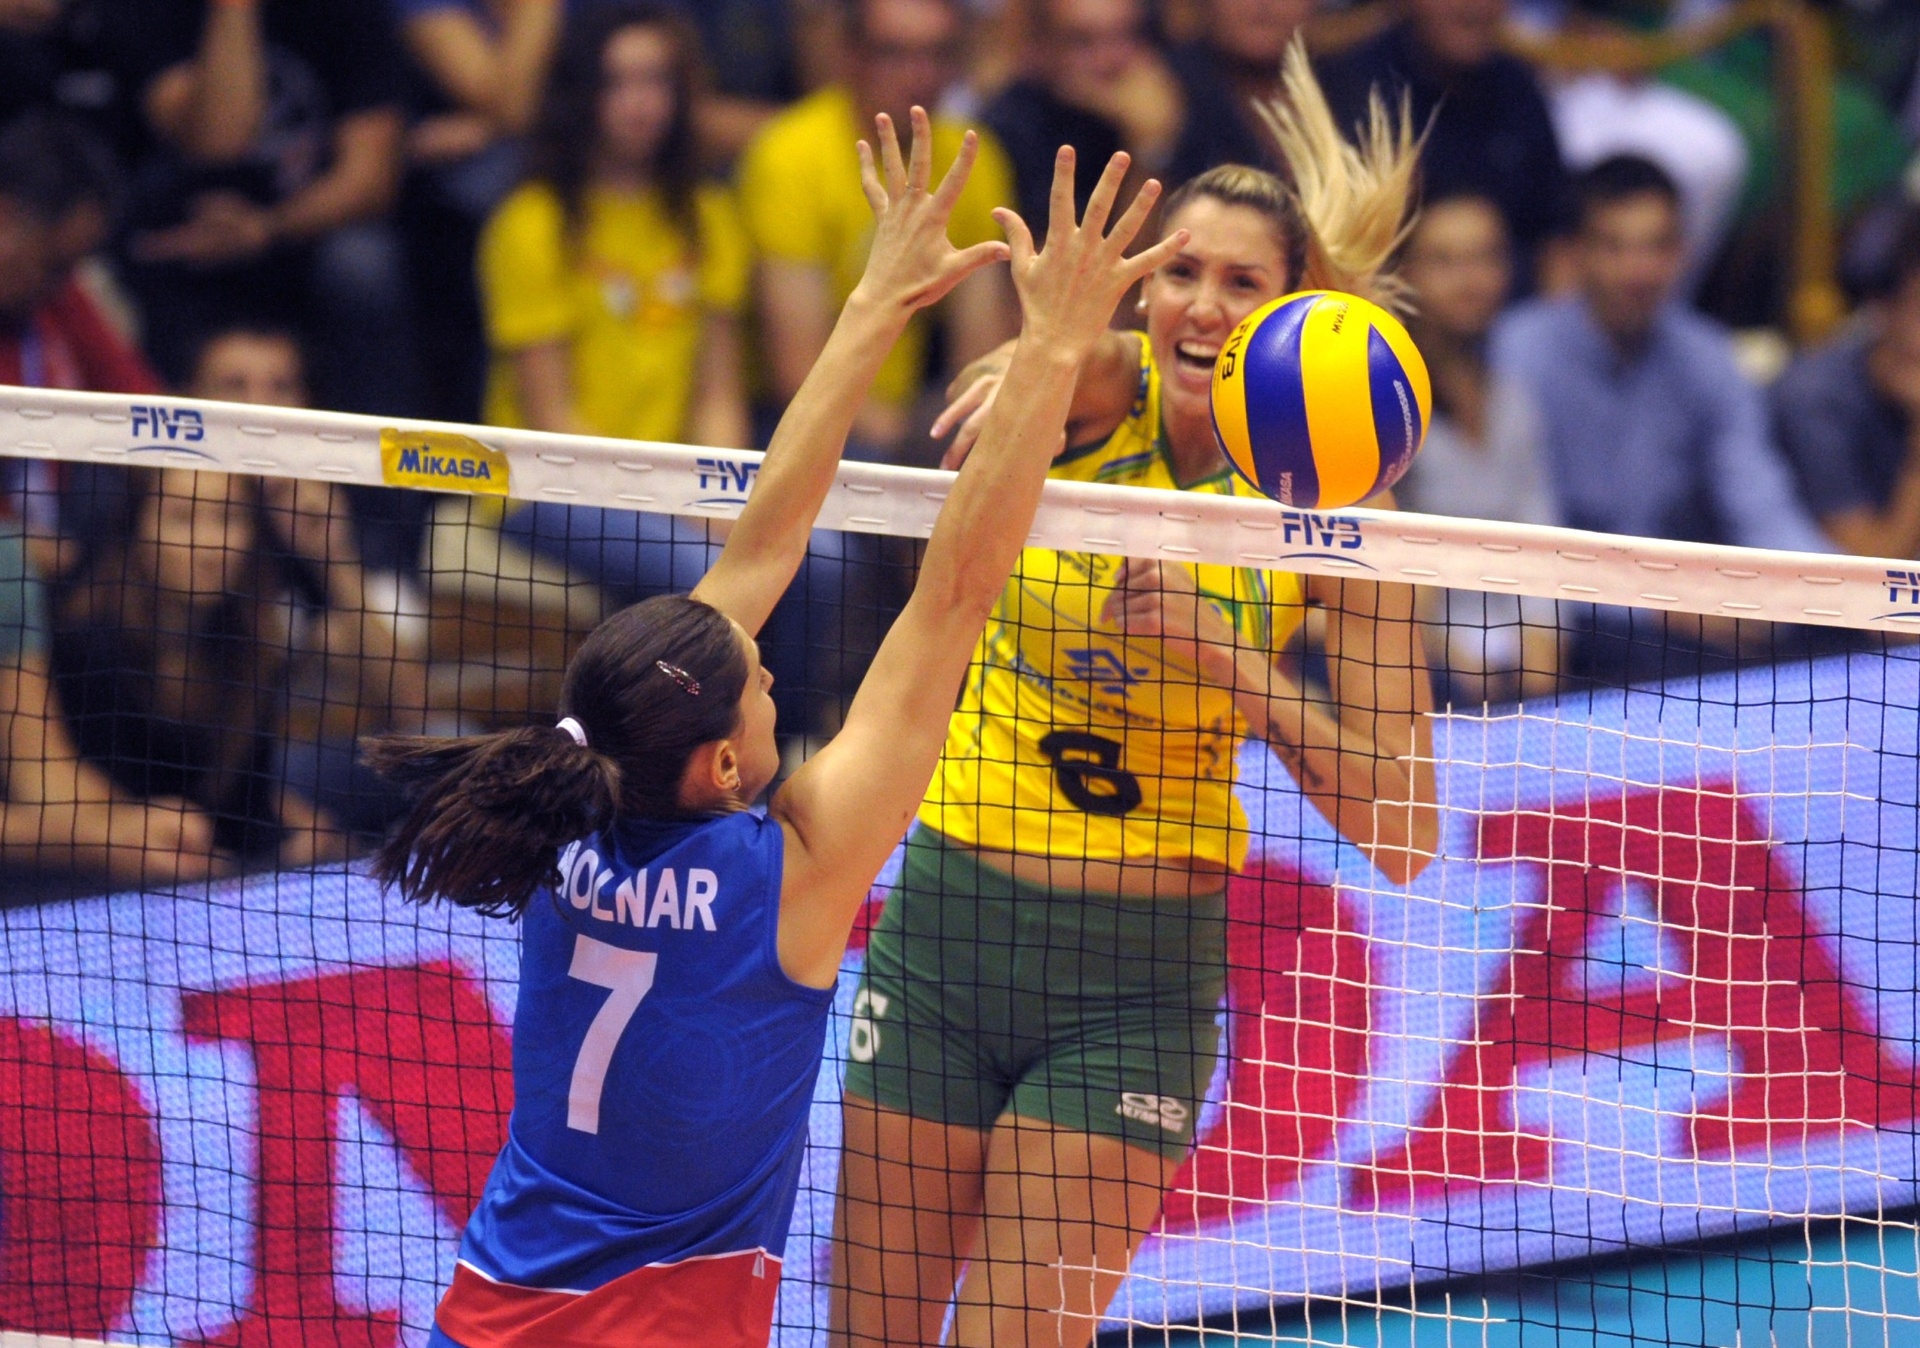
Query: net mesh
{"points": [[1630, 1057]]}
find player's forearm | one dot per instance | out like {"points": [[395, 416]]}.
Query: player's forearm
{"points": [[986, 520], [1376, 788]]}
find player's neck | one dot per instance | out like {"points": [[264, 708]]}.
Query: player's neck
{"points": [[1192, 451]]}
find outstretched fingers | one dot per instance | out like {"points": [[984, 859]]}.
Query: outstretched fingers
{"points": [[971, 259], [964, 404], [870, 179], [890, 161], [955, 181], [1151, 260], [1019, 237], [1134, 218], [1100, 204], [1060, 212], [920, 153]]}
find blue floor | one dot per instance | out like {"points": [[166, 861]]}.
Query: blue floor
{"points": [[1844, 1285]]}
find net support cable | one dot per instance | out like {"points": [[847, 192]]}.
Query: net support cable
{"points": [[1573, 565]]}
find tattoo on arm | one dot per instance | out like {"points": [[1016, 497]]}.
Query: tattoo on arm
{"points": [[1295, 759]]}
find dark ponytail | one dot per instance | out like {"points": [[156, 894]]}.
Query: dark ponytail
{"points": [[491, 812]]}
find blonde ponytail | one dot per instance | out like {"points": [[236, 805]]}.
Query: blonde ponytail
{"points": [[1356, 200]]}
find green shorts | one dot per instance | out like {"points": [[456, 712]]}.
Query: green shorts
{"points": [[985, 996]]}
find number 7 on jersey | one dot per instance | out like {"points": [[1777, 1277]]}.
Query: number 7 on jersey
{"points": [[628, 977]]}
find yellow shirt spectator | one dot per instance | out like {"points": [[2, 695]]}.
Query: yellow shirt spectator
{"points": [[629, 299], [800, 194]]}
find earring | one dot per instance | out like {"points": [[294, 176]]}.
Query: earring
{"points": [[1141, 304]]}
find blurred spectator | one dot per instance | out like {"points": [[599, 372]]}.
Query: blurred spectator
{"points": [[283, 121], [1598, 115], [347, 615], [85, 57], [357, 660], [59, 813], [1489, 129], [614, 279], [809, 220], [757, 52], [613, 283], [172, 647], [486, 67], [56, 194], [1848, 417], [1097, 83], [480, 69], [176, 644], [1483, 457], [1714, 120], [1651, 428], [1223, 74], [286, 119], [1700, 147]]}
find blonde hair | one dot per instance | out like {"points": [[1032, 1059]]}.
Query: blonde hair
{"points": [[1348, 207]]}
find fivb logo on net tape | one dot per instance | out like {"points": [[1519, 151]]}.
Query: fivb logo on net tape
{"points": [[1662, 994]]}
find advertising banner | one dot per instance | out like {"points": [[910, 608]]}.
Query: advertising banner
{"points": [[1663, 983]]}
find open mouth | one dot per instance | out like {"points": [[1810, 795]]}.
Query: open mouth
{"points": [[1196, 356]]}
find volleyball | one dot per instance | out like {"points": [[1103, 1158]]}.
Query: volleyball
{"points": [[1320, 399]]}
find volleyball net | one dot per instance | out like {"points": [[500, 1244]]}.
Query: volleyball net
{"points": [[1636, 1052]]}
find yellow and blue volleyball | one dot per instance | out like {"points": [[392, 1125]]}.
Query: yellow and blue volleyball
{"points": [[1321, 399]]}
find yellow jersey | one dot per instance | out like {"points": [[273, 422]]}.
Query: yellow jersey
{"points": [[629, 297], [1070, 740]]}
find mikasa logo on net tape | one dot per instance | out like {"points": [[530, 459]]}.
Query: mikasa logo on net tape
{"points": [[1162, 1111]]}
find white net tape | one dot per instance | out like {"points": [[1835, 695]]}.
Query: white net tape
{"points": [[1564, 564]]}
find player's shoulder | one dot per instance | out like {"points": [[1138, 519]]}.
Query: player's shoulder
{"points": [[738, 829], [1131, 450], [1833, 375], [532, 208], [1697, 336], [815, 126]]}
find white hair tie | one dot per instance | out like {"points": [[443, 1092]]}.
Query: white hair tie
{"points": [[575, 729]]}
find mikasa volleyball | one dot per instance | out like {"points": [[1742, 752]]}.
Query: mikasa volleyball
{"points": [[1320, 399]]}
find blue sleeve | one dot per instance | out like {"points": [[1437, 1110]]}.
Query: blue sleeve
{"points": [[1521, 342], [1750, 481], [1532, 491], [1819, 425]]}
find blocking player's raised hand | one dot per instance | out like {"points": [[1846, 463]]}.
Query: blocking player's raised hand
{"points": [[1069, 289], [912, 262]]}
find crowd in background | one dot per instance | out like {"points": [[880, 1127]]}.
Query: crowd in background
{"points": [[638, 218]]}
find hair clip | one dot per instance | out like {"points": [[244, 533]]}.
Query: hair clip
{"points": [[679, 676]]}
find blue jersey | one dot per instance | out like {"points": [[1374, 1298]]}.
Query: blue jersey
{"points": [[663, 1070]]}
